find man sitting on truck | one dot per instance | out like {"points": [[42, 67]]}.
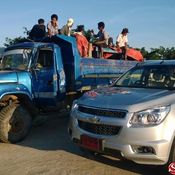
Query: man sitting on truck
{"points": [[82, 42], [122, 42], [101, 38], [66, 29], [38, 31], [52, 26]]}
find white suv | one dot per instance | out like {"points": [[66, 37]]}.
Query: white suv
{"points": [[133, 118]]}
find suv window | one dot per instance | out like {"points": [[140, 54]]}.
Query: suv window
{"points": [[153, 76]]}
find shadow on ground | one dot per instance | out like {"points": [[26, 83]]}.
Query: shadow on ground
{"points": [[50, 133]]}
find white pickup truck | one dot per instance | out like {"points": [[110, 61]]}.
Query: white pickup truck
{"points": [[134, 117]]}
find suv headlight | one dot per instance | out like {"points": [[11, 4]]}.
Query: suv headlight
{"points": [[74, 105], [149, 117]]}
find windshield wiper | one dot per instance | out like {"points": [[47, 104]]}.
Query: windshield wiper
{"points": [[11, 68], [7, 68]]}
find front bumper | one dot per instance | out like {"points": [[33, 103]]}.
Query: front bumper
{"points": [[149, 145]]}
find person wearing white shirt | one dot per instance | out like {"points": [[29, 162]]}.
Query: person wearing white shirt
{"points": [[52, 26], [122, 42]]}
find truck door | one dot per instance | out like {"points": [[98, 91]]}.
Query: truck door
{"points": [[44, 81]]}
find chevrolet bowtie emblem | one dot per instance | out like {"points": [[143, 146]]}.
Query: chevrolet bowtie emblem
{"points": [[94, 119]]}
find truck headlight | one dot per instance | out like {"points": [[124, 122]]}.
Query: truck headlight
{"points": [[74, 105], [149, 117]]}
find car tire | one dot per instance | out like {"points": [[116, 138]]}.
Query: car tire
{"points": [[15, 123]]}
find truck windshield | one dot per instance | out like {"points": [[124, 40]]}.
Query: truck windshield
{"points": [[154, 76], [16, 59]]}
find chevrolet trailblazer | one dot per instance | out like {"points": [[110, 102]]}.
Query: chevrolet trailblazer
{"points": [[134, 117]]}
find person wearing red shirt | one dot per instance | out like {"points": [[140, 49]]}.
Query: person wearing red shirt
{"points": [[82, 42]]}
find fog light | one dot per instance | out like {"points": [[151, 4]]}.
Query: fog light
{"points": [[143, 149]]}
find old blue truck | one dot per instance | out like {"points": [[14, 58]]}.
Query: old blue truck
{"points": [[36, 76]]}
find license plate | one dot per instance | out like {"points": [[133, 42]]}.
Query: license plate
{"points": [[91, 143]]}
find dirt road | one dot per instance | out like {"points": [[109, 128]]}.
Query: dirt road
{"points": [[49, 151]]}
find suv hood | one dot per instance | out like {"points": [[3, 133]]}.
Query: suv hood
{"points": [[130, 99]]}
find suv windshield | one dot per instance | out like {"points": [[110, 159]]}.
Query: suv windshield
{"points": [[152, 76], [16, 59]]}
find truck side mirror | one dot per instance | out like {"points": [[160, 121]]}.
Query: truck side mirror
{"points": [[112, 80], [39, 66]]}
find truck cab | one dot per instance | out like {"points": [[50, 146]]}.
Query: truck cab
{"points": [[37, 67]]}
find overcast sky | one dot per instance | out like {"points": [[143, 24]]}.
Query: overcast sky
{"points": [[151, 23]]}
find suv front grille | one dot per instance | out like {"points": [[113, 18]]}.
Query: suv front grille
{"points": [[102, 112], [101, 129]]}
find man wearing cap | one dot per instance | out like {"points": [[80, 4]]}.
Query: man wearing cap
{"points": [[66, 29], [122, 42]]}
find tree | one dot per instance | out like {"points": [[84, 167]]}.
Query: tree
{"points": [[10, 41], [19, 39], [162, 53], [170, 53], [144, 52]]}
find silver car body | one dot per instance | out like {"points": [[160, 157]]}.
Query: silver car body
{"points": [[106, 115]]}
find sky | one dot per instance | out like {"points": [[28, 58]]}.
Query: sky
{"points": [[151, 23]]}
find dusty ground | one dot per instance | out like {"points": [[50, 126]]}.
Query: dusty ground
{"points": [[49, 151]]}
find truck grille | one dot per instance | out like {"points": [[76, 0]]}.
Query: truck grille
{"points": [[102, 112], [100, 129]]}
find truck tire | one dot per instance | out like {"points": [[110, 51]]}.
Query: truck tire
{"points": [[15, 123]]}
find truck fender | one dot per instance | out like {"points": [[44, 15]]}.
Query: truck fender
{"points": [[15, 90]]}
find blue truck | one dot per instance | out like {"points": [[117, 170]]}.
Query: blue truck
{"points": [[44, 76]]}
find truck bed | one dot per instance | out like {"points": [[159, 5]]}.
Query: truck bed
{"points": [[99, 72]]}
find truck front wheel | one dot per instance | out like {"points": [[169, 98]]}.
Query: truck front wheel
{"points": [[15, 123]]}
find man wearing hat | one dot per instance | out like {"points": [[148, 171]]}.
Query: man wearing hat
{"points": [[122, 42], [66, 29]]}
